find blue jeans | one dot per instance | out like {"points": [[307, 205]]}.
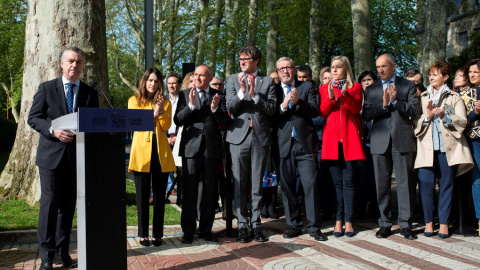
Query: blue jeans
{"points": [[426, 179], [342, 175], [475, 172]]}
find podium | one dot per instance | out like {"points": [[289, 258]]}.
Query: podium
{"points": [[101, 205]]}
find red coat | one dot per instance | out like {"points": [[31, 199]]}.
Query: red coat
{"points": [[342, 123]]}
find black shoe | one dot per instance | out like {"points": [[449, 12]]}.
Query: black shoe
{"points": [[266, 215], [187, 239], [384, 232], [46, 265], [318, 235], [145, 242], [293, 232], [242, 236], [157, 242], [209, 236], [408, 233], [258, 235]]}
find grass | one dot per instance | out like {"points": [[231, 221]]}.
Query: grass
{"points": [[16, 214]]}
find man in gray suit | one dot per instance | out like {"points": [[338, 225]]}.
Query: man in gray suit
{"points": [[391, 102], [250, 100]]}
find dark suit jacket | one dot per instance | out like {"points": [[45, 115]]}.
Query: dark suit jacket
{"points": [[394, 121], [199, 124], [299, 116], [48, 104], [243, 110]]}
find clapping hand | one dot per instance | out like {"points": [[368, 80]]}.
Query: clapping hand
{"points": [[331, 91], [215, 101], [386, 97], [392, 89], [477, 107], [159, 106], [430, 107], [344, 88], [251, 87], [439, 112], [191, 96], [243, 84]]}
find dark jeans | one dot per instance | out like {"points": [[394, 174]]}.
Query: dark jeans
{"points": [[157, 181], [342, 176], [445, 175]]}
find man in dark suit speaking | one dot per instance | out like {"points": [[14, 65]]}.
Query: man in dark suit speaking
{"points": [[250, 101], [391, 103], [298, 144], [56, 155]]}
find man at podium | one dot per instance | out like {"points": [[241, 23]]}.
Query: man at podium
{"points": [[56, 156]]}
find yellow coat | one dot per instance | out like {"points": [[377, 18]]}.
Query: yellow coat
{"points": [[141, 151]]}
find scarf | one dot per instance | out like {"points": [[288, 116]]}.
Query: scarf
{"points": [[435, 97], [339, 84]]}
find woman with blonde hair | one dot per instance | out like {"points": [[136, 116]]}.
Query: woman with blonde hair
{"points": [[151, 158], [188, 81], [341, 103]]}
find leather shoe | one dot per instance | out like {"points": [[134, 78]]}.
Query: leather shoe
{"points": [[408, 233], [66, 261], [242, 235], [293, 232], [258, 235], [209, 236], [318, 235], [145, 242], [157, 242], [46, 265], [443, 235], [187, 239], [384, 232]]}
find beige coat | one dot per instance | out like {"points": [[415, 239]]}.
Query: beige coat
{"points": [[456, 146]]}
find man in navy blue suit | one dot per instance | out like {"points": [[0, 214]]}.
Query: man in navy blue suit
{"points": [[56, 156]]}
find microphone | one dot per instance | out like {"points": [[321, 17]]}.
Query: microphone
{"points": [[94, 84]]}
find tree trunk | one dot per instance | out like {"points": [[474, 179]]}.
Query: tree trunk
{"points": [[51, 27], [171, 36], [231, 9], [362, 36], [435, 35], [219, 7], [202, 32], [272, 37], [315, 46], [252, 25]]}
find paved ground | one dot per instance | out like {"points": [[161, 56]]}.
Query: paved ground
{"points": [[363, 251]]}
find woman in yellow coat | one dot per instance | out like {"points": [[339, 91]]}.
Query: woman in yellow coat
{"points": [[151, 158]]}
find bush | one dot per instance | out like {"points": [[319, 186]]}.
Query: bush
{"points": [[473, 51]]}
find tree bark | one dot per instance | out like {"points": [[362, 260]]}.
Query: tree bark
{"points": [[315, 46], [171, 36], [272, 37], [435, 35], [252, 25], [51, 27], [231, 8], [202, 32], [362, 36], [219, 7]]}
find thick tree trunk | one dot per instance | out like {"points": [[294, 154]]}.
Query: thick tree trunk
{"points": [[51, 27], [272, 37], [315, 46], [231, 8], [252, 25], [219, 7], [435, 35], [362, 36]]}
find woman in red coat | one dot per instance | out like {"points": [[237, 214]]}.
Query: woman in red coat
{"points": [[341, 102]]}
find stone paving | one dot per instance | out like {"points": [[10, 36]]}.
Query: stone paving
{"points": [[363, 251]]}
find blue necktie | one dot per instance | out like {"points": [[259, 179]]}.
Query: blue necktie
{"points": [[290, 105], [70, 96]]}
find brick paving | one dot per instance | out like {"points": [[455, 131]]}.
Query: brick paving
{"points": [[363, 251]]}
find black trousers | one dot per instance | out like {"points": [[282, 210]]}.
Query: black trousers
{"points": [[57, 207], [203, 167], [157, 181]]}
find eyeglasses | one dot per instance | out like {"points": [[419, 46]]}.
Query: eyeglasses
{"points": [[244, 59], [284, 69], [216, 84]]}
